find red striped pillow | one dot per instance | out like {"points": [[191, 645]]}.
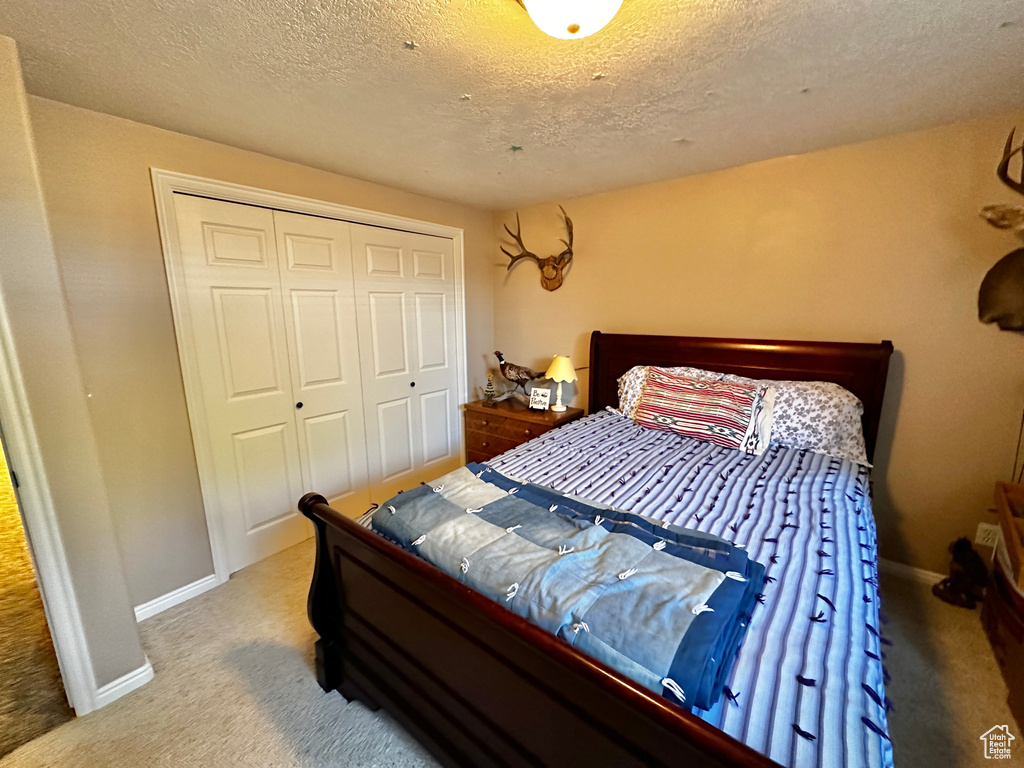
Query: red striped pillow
{"points": [[728, 414]]}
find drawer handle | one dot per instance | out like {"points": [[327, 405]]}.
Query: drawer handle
{"points": [[526, 431], [485, 444], [485, 422]]}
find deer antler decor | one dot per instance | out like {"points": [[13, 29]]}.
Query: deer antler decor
{"points": [[551, 267], [1001, 296]]}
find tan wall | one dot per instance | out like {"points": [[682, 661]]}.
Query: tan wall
{"points": [[95, 171], [35, 309], [880, 240]]}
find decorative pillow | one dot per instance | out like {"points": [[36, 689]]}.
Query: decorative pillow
{"points": [[729, 414], [632, 381], [818, 416]]}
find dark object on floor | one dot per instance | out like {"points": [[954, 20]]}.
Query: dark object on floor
{"points": [[968, 575]]}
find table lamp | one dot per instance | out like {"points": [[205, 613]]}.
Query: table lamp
{"points": [[560, 370]]}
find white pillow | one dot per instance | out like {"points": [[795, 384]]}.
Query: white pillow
{"points": [[818, 416], [632, 381]]}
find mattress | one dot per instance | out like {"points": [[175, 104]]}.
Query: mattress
{"points": [[807, 688]]}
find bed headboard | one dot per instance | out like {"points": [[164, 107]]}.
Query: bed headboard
{"points": [[860, 368]]}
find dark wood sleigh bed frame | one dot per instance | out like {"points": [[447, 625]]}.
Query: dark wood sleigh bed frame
{"points": [[479, 686]]}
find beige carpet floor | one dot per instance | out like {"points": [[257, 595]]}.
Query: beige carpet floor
{"points": [[946, 686], [234, 686], [32, 699]]}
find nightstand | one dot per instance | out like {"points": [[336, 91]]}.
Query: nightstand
{"points": [[494, 429], [1003, 621], [1002, 613]]}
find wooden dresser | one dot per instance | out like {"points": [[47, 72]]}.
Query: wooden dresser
{"points": [[1002, 613], [491, 430]]}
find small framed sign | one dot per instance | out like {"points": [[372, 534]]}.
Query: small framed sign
{"points": [[539, 398]]}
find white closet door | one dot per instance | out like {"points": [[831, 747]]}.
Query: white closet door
{"points": [[320, 319], [234, 299], [405, 300]]}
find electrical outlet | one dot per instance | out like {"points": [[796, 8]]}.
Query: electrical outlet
{"points": [[988, 535]]}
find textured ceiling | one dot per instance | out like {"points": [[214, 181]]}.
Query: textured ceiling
{"points": [[666, 89]]}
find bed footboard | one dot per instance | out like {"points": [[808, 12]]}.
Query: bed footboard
{"points": [[476, 684]]}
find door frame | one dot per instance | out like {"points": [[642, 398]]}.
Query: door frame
{"points": [[42, 530], [168, 183]]}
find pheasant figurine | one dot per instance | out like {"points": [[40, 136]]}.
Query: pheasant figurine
{"points": [[517, 374]]}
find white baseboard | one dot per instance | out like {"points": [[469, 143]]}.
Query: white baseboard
{"points": [[124, 684], [171, 599], [909, 572]]}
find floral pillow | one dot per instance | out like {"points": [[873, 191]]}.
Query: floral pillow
{"points": [[632, 381], [734, 415], [818, 416]]}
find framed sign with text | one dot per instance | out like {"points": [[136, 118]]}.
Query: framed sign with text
{"points": [[539, 398]]}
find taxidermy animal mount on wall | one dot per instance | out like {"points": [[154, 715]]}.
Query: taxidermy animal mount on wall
{"points": [[1001, 296], [551, 267]]}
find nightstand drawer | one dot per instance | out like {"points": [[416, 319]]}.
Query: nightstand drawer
{"points": [[520, 431], [500, 426], [492, 445], [480, 422], [494, 429]]}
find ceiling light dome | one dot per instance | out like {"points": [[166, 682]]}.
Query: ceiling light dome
{"points": [[571, 19]]}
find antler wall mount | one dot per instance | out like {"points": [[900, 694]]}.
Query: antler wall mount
{"points": [[1001, 296], [552, 268]]}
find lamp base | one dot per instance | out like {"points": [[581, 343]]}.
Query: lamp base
{"points": [[558, 407]]}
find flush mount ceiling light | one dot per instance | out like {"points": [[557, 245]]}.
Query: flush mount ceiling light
{"points": [[571, 19]]}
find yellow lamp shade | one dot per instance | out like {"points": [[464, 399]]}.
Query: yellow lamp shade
{"points": [[571, 19], [561, 369]]}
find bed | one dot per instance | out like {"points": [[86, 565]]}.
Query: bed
{"points": [[479, 686]]}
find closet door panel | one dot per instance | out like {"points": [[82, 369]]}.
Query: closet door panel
{"points": [[389, 334], [331, 443], [230, 261], [394, 425], [245, 323], [316, 278], [429, 264], [432, 335], [384, 260], [316, 315], [265, 474], [435, 429], [405, 303], [433, 299]]}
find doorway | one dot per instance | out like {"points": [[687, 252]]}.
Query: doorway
{"points": [[32, 698]]}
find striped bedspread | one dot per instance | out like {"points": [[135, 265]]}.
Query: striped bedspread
{"points": [[808, 685]]}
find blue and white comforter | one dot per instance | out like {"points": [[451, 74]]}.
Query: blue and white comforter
{"points": [[807, 688], [665, 606]]}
